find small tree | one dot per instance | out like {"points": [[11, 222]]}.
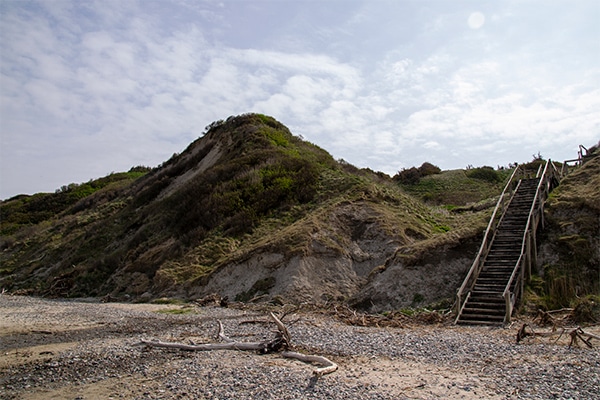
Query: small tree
{"points": [[413, 175], [429, 169], [485, 173]]}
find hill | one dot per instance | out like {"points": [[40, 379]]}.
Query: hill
{"points": [[247, 211]]}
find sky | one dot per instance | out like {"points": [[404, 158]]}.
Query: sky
{"points": [[93, 87]]}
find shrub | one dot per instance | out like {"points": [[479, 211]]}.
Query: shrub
{"points": [[429, 169], [485, 173], [409, 176], [413, 175], [587, 310]]}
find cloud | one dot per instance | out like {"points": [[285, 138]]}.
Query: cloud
{"points": [[132, 83]]}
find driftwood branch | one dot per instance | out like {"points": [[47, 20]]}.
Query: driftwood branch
{"points": [[328, 365], [579, 333], [222, 335], [281, 342], [575, 334], [282, 329], [258, 346]]}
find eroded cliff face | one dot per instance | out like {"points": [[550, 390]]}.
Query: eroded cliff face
{"points": [[352, 257], [333, 263], [431, 279]]}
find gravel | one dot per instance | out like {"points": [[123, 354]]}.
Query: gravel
{"points": [[78, 349]]}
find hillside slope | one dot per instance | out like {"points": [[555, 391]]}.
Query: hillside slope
{"points": [[569, 259], [247, 209]]}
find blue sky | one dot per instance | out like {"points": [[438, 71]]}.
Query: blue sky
{"points": [[92, 87]]}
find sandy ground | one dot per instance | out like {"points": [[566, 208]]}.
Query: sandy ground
{"points": [[39, 335]]}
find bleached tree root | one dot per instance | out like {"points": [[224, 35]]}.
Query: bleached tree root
{"points": [[252, 346], [281, 342], [328, 365]]}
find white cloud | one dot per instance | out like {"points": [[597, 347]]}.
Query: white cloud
{"points": [[134, 82], [432, 144]]}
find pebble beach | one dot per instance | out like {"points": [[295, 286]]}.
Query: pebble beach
{"points": [[59, 349]]}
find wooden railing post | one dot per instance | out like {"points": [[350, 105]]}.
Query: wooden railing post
{"points": [[521, 283], [508, 304], [534, 258]]}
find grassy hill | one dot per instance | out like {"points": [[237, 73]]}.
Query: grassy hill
{"points": [[249, 210], [459, 188], [569, 273]]}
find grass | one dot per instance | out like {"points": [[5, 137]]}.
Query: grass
{"points": [[177, 311], [168, 300], [289, 232], [572, 218], [456, 188]]}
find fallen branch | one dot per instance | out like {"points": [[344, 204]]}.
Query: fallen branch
{"points": [[281, 342], [282, 329], [579, 333], [575, 334], [328, 365], [523, 333], [263, 347], [222, 335]]}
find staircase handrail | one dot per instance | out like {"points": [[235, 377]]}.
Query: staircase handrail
{"points": [[506, 295], [578, 162], [537, 174], [556, 171], [541, 193], [487, 239]]}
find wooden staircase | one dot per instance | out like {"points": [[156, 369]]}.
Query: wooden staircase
{"points": [[486, 305], [494, 284]]}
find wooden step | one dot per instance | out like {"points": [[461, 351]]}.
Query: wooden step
{"points": [[485, 305], [488, 311], [480, 305], [501, 259], [480, 323], [487, 280], [491, 285], [482, 317], [480, 320]]}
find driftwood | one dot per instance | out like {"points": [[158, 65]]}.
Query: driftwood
{"points": [[576, 334], [328, 365], [545, 318], [280, 343], [212, 300]]}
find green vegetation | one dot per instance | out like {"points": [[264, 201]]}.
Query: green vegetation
{"points": [[457, 188], [249, 186], [264, 174], [177, 311], [166, 300], [487, 174], [413, 175], [572, 216], [30, 210]]}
